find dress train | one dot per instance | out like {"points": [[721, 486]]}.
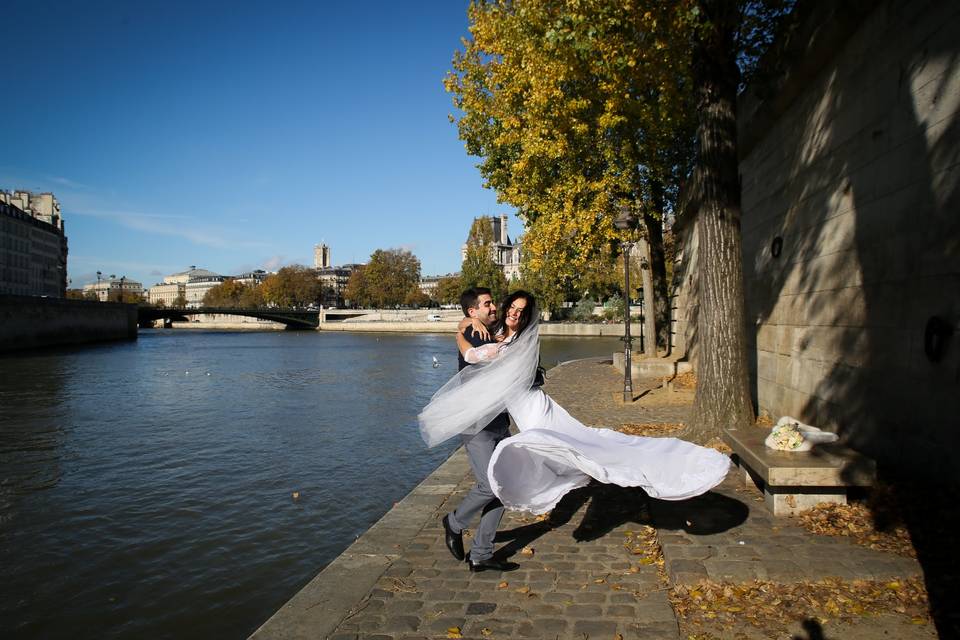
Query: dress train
{"points": [[554, 453]]}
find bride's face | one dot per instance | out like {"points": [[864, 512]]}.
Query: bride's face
{"points": [[512, 318]]}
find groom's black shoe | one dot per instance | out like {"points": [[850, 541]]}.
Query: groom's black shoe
{"points": [[491, 564], [453, 539]]}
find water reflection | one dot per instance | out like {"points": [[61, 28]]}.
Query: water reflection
{"points": [[31, 429]]}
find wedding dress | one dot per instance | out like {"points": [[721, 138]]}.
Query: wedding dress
{"points": [[554, 452]]}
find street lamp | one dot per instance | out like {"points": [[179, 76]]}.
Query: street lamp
{"points": [[122, 280], [626, 221], [99, 275]]}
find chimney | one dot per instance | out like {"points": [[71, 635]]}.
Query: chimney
{"points": [[504, 239]]}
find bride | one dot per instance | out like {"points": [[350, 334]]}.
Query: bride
{"points": [[553, 453]]}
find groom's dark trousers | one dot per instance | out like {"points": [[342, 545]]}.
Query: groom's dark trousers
{"points": [[480, 500]]}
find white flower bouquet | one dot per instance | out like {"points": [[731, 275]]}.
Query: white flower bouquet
{"points": [[790, 434]]}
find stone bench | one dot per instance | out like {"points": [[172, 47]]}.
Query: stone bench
{"points": [[794, 481]]}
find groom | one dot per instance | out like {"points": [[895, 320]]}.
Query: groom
{"points": [[478, 303]]}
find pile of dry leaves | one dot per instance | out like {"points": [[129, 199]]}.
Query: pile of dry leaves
{"points": [[686, 380], [645, 545], [771, 606], [857, 521], [650, 428]]}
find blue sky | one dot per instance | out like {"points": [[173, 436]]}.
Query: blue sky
{"points": [[237, 135]]}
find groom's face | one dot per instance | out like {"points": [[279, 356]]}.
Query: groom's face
{"points": [[485, 311]]}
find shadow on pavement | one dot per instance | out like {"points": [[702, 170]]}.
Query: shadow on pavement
{"points": [[609, 506], [813, 629]]}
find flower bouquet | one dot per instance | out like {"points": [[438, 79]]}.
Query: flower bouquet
{"points": [[789, 434]]}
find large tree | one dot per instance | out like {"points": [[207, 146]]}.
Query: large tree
{"points": [[293, 286], [388, 279], [576, 108], [579, 106], [227, 294], [355, 293], [729, 36], [448, 290]]}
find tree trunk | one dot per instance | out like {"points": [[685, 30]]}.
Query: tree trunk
{"points": [[658, 264], [649, 301], [723, 392]]}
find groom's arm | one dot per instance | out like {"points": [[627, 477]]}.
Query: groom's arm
{"points": [[463, 344]]}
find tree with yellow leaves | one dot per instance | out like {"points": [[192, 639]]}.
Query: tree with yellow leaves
{"points": [[575, 108]]}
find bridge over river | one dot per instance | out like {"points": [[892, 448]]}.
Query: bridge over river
{"points": [[293, 318]]}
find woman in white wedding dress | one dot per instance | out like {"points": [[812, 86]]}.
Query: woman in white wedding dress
{"points": [[553, 453]]}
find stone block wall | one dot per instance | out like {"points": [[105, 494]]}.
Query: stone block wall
{"points": [[851, 235], [28, 322]]}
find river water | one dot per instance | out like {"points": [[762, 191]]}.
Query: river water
{"points": [[146, 488]]}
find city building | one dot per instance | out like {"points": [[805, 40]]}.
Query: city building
{"points": [[251, 278], [321, 256], [33, 247], [190, 274], [428, 284], [190, 285], [334, 281], [197, 288], [167, 294], [506, 254], [115, 289], [193, 284]]}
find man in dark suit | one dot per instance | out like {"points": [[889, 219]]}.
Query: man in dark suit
{"points": [[478, 303]]}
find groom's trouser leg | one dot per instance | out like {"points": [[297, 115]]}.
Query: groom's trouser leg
{"points": [[480, 500]]}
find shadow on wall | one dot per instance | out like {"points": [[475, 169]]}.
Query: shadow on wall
{"points": [[852, 248]]}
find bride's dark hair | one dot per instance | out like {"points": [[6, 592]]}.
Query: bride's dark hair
{"points": [[525, 316]]}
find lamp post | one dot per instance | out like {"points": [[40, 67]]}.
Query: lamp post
{"points": [[122, 280], [625, 221], [99, 275]]}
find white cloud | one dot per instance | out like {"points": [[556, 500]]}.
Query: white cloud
{"points": [[180, 226], [72, 184]]}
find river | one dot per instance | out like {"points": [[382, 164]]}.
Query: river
{"points": [[147, 488]]}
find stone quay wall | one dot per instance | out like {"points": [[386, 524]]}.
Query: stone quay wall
{"points": [[850, 169], [28, 322], [585, 329]]}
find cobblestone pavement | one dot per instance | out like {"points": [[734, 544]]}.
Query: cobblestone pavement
{"points": [[592, 391], [582, 574], [577, 578]]}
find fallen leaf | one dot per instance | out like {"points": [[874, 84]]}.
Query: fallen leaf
{"points": [[522, 590], [503, 585], [454, 632]]}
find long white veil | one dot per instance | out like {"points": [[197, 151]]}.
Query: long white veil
{"points": [[477, 394]]}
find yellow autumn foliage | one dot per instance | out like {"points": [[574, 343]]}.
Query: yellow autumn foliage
{"points": [[572, 116]]}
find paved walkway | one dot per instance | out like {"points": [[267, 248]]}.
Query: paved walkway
{"points": [[586, 571]]}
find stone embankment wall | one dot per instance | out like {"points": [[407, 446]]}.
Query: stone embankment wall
{"points": [[28, 322], [227, 322], [850, 166], [565, 329]]}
